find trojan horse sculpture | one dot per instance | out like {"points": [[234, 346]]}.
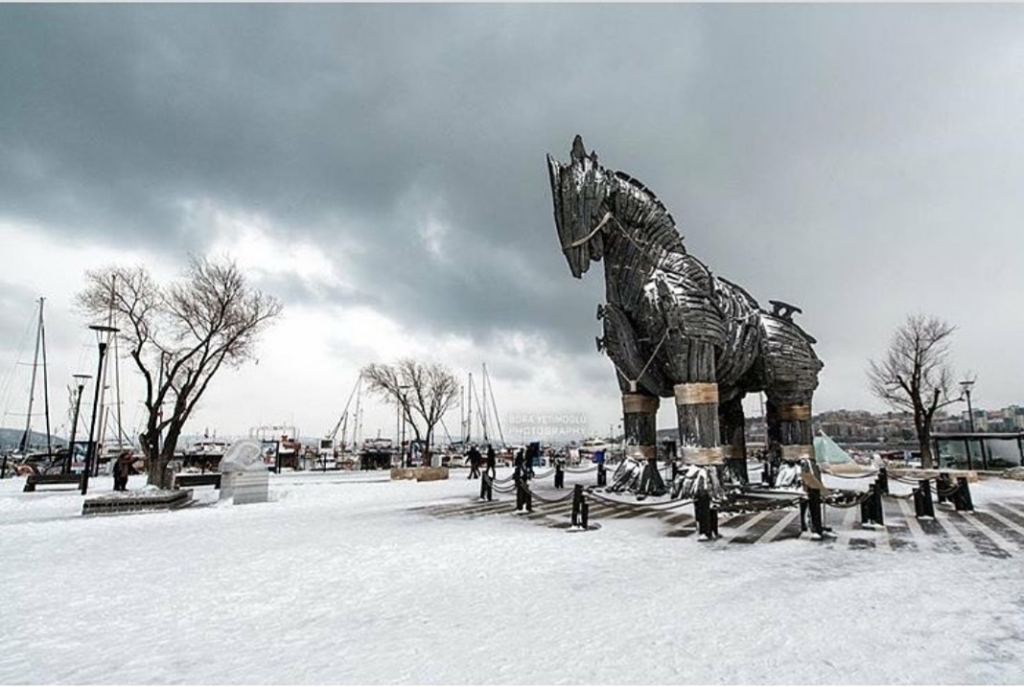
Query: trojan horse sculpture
{"points": [[672, 329]]}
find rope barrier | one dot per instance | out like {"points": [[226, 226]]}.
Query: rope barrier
{"points": [[861, 498], [561, 498], [904, 480], [578, 471], [664, 505], [835, 474], [757, 506]]}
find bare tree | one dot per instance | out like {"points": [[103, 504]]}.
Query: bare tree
{"points": [[179, 336], [423, 392], [916, 375]]}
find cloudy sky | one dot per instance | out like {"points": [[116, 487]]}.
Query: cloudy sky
{"points": [[381, 169]]}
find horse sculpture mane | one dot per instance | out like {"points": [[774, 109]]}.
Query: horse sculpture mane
{"points": [[673, 329]]}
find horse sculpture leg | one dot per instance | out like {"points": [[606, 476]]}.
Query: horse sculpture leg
{"points": [[734, 441], [640, 424], [791, 440], [699, 433]]}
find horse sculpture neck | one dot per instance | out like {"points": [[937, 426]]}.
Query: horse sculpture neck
{"points": [[639, 237]]}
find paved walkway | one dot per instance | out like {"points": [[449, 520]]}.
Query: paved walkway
{"points": [[995, 529]]}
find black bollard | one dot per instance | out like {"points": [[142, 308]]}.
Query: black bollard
{"points": [[577, 502], [923, 506], [943, 487], [814, 504], [707, 517], [584, 514], [871, 507], [878, 508], [962, 498], [486, 487], [883, 481]]}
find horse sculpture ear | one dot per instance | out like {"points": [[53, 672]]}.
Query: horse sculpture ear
{"points": [[578, 151]]}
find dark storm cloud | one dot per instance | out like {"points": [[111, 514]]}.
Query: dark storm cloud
{"points": [[792, 143]]}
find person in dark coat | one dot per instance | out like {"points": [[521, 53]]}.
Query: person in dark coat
{"points": [[474, 462], [532, 453], [492, 462], [122, 469], [559, 472], [517, 464]]}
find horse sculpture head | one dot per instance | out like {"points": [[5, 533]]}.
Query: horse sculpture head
{"points": [[579, 190]]}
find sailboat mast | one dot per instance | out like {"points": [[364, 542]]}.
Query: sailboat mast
{"points": [[46, 384], [356, 423], [117, 390], [32, 386], [469, 415], [494, 406], [483, 387]]}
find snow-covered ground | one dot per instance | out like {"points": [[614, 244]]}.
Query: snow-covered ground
{"points": [[354, 579]]}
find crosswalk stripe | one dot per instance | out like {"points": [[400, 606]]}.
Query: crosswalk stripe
{"points": [[745, 527], [998, 530], [1006, 521], [677, 517], [844, 535], [962, 541], [915, 528], [775, 529], [996, 538], [1013, 510]]}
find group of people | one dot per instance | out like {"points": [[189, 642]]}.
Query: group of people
{"points": [[476, 458]]}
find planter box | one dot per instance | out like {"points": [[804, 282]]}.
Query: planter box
{"points": [[245, 487], [136, 501]]}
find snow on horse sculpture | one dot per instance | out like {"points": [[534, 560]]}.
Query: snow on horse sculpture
{"points": [[672, 329]]}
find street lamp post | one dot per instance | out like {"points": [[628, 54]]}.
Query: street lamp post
{"points": [[90, 454], [80, 378], [966, 385]]}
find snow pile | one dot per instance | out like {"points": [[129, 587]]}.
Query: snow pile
{"points": [[340, 580]]}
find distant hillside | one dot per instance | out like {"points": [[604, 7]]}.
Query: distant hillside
{"points": [[10, 438]]}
